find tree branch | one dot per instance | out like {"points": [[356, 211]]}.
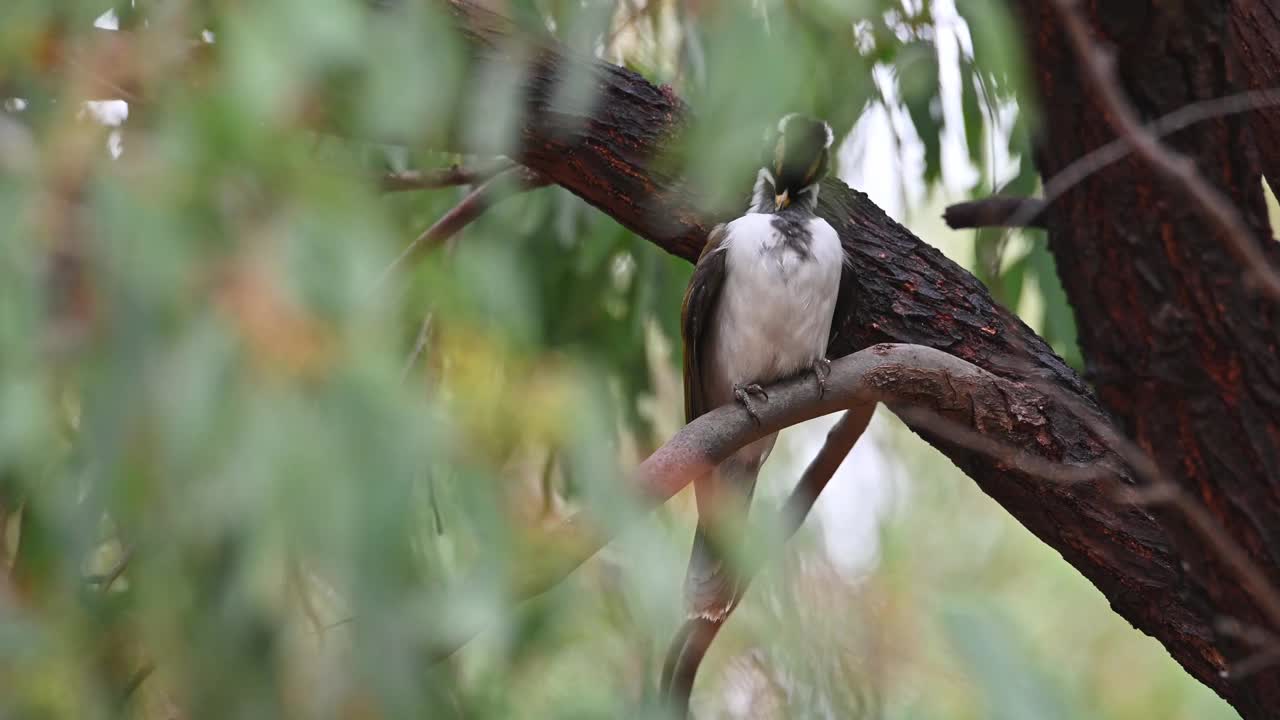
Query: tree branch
{"points": [[505, 184], [443, 177], [694, 638], [1255, 38], [895, 374], [996, 211], [899, 376], [1176, 169]]}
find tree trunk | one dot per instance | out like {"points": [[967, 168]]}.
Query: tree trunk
{"points": [[1181, 352], [1255, 42]]}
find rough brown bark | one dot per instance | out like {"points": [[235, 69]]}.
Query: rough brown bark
{"points": [[1180, 350], [1255, 43], [995, 211], [897, 289]]}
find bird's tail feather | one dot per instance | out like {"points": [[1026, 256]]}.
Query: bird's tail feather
{"points": [[711, 583]]}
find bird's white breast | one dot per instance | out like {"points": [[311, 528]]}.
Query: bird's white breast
{"points": [[774, 314]]}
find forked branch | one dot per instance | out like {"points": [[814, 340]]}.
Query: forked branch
{"points": [[896, 374], [694, 638]]}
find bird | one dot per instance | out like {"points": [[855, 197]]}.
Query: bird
{"points": [[758, 309]]}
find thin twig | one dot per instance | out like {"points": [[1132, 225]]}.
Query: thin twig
{"points": [[1099, 66], [500, 187], [419, 345], [297, 581], [444, 177], [4, 543], [1082, 168], [1254, 664], [546, 485], [339, 623], [693, 640], [995, 211], [135, 681]]}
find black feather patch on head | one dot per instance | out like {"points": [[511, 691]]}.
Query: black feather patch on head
{"points": [[797, 152]]}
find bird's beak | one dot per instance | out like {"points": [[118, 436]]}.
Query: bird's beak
{"points": [[783, 200]]}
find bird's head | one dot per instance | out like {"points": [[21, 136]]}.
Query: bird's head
{"points": [[797, 155]]}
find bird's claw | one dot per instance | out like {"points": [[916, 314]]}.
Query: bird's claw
{"points": [[743, 393], [821, 371]]}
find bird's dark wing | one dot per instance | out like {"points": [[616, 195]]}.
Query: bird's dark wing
{"points": [[709, 587], [696, 317]]}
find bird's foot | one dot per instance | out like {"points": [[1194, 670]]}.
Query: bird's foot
{"points": [[821, 369], [743, 393]]}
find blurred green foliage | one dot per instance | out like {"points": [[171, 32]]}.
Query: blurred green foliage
{"points": [[246, 472]]}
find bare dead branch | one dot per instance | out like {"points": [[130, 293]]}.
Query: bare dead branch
{"points": [[840, 441], [1180, 171], [444, 177], [996, 211], [690, 645]]}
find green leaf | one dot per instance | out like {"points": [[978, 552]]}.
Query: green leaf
{"points": [[974, 119], [997, 51], [1059, 321], [917, 70]]}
